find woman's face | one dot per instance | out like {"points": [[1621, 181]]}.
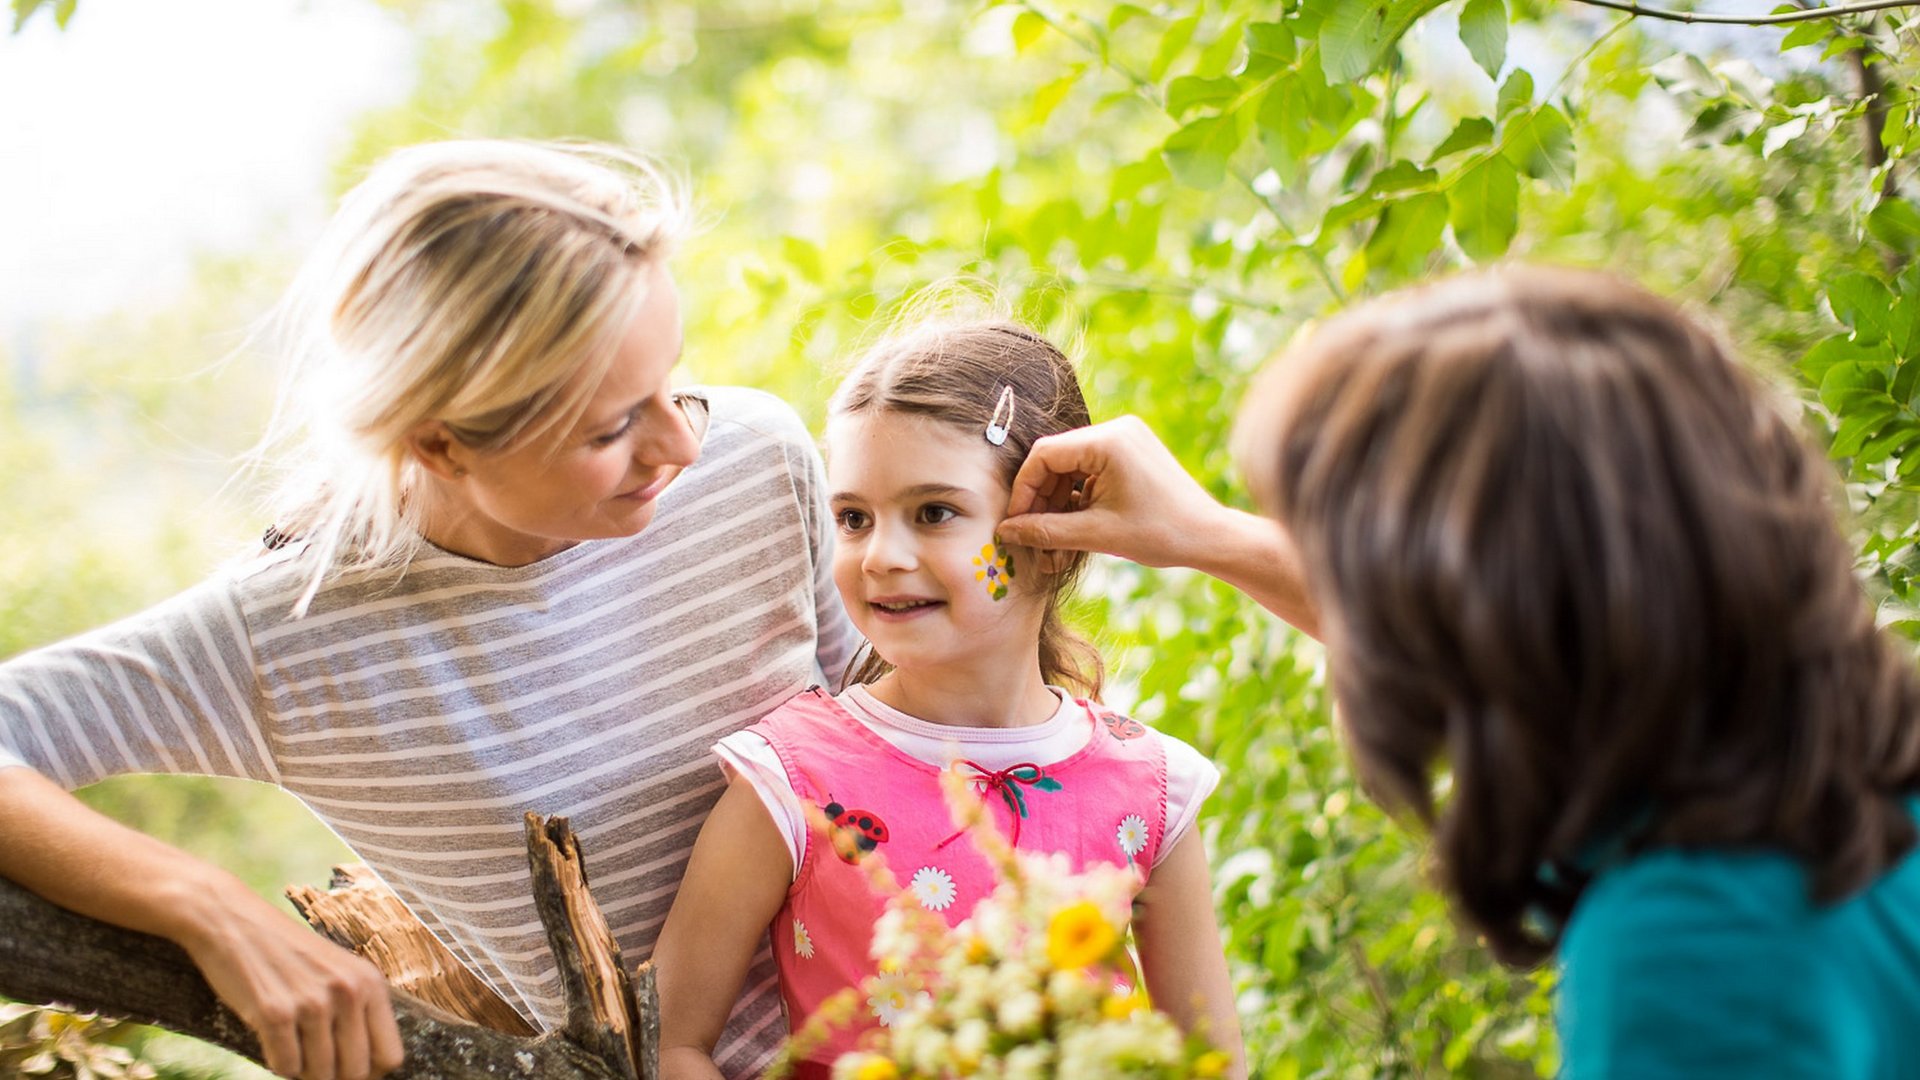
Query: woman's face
{"points": [[596, 478]]}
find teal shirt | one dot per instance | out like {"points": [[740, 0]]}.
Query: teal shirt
{"points": [[1707, 964]]}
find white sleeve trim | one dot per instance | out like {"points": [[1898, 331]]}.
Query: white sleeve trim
{"points": [[1191, 778], [746, 754]]}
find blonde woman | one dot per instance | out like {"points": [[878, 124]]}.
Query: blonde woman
{"points": [[514, 571]]}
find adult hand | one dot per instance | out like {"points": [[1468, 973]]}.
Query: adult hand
{"points": [[321, 1012], [1113, 488]]}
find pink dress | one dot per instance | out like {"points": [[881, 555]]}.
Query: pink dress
{"points": [[1106, 803]]}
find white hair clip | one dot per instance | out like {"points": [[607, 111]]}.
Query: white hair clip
{"points": [[997, 427]]}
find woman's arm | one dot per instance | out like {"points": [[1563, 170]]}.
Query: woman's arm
{"points": [[1115, 488], [735, 883], [1180, 951], [320, 1011]]}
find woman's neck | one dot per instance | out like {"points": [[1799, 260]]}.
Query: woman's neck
{"points": [[964, 699]]}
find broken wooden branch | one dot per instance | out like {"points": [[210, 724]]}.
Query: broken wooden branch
{"points": [[50, 956]]}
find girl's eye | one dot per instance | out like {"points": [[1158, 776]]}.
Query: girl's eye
{"points": [[851, 520], [937, 514]]}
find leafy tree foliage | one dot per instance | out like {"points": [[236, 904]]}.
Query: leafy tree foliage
{"points": [[1176, 188]]}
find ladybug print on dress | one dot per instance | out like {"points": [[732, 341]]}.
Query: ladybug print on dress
{"points": [[854, 832], [1123, 727]]}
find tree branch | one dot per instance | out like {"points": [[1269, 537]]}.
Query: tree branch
{"points": [[1780, 19], [52, 956]]}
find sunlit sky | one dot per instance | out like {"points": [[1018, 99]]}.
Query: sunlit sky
{"points": [[148, 131]]}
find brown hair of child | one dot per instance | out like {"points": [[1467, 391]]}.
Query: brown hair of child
{"points": [[1568, 550]]}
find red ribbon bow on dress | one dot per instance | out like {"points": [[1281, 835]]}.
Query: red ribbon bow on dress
{"points": [[1007, 782]]}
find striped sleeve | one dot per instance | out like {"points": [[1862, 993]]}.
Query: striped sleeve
{"points": [[169, 690], [837, 639]]}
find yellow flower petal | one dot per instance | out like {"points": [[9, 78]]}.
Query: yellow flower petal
{"points": [[1079, 935]]}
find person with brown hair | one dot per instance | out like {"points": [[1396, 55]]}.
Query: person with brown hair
{"points": [[971, 670], [1568, 555]]}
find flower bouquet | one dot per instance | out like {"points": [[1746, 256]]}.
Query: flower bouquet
{"points": [[1036, 983]]}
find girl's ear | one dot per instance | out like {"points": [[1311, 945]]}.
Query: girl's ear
{"points": [[435, 448]]}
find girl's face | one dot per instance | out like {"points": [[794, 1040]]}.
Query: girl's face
{"points": [[596, 478], [915, 503]]}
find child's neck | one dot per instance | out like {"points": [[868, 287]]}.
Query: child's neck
{"points": [[958, 699]]}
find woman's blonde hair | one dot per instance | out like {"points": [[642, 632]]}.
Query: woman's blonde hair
{"points": [[956, 372], [484, 284]]}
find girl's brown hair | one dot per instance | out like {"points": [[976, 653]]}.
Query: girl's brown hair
{"points": [[1566, 547], [955, 373]]}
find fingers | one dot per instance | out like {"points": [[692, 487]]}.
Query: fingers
{"points": [[383, 1035], [317, 1044], [1056, 464]]}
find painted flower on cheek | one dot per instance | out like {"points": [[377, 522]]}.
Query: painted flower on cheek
{"points": [[995, 569]]}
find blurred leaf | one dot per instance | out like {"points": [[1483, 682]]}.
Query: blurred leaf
{"points": [[1198, 153], [1863, 303], [1355, 35], [1484, 208], [1028, 29], [1190, 91], [1483, 30], [1515, 94], [1469, 133], [1540, 144]]}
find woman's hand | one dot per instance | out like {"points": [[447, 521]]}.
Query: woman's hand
{"points": [[1115, 488], [321, 1012]]}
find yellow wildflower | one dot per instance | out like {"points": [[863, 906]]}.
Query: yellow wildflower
{"points": [[1211, 1063], [877, 1068], [1121, 1006], [1078, 935]]}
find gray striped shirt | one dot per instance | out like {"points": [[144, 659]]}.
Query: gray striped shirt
{"points": [[420, 719]]}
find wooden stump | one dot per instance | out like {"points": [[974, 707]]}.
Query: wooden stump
{"points": [[51, 956]]}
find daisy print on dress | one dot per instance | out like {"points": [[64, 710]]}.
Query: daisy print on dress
{"points": [[996, 569], [893, 994], [1132, 836], [802, 941], [933, 888]]}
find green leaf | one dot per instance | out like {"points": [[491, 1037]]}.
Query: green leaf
{"points": [[1516, 93], [1197, 154], [1048, 97], [1484, 207], [1469, 133], [1172, 44], [63, 12], [1408, 233], [1834, 350], [1129, 180], [1851, 385], [1271, 39], [1857, 428], [1483, 30], [1896, 223], [1811, 32], [1188, 91], [1781, 134], [1399, 176], [1356, 35], [1028, 29], [22, 11], [1047, 783], [1540, 144], [804, 255], [1862, 303], [1123, 14]]}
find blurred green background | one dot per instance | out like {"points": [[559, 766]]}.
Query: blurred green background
{"points": [[1172, 189]]}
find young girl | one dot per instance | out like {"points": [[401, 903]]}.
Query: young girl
{"points": [[1565, 549], [971, 669]]}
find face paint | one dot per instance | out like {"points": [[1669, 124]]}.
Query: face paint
{"points": [[996, 568]]}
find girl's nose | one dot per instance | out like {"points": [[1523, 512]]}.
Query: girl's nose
{"points": [[889, 550]]}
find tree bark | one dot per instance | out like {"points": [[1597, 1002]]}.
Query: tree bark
{"points": [[51, 956]]}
